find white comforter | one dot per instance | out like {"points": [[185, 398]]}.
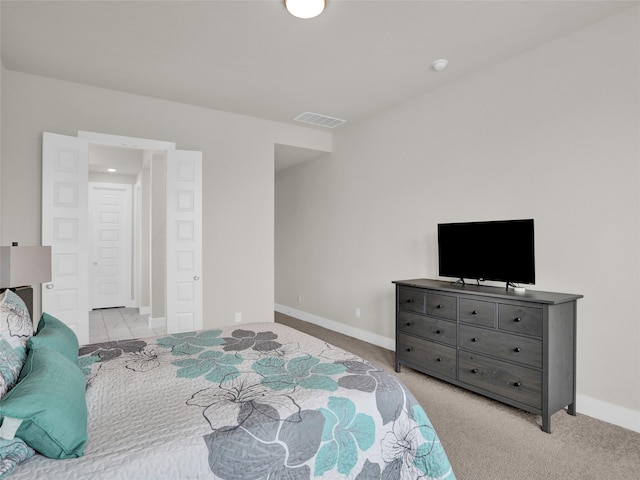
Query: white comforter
{"points": [[259, 402]]}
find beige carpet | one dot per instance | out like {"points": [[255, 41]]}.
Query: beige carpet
{"points": [[486, 440]]}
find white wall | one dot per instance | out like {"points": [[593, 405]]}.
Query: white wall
{"points": [[238, 176], [146, 266], [1, 75], [552, 134], [158, 238]]}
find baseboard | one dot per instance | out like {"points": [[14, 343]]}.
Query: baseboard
{"points": [[379, 340], [144, 310], [157, 322], [607, 412]]}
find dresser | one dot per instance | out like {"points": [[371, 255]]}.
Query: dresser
{"points": [[517, 348]]}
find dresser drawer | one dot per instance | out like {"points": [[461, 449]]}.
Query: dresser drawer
{"points": [[427, 327], [520, 384], [411, 300], [514, 348], [478, 312], [427, 356], [517, 319], [442, 306]]}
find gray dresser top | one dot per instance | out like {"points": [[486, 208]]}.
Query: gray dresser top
{"points": [[535, 296]]}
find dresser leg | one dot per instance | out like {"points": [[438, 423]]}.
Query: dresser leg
{"points": [[546, 423], [398, 367], [571, 409]]}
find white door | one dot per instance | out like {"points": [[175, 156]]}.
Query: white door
{"points": [[65, 175], [110, 241], [183, 304]]}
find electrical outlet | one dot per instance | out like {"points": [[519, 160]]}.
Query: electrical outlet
{"points": [[299, 298], [357, 313], [238, 317]]}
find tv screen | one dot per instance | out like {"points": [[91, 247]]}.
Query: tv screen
{"points": [[499, 250]]}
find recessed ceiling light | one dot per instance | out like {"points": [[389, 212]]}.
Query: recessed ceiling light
{"points": [[440, 64], [111, 170]]}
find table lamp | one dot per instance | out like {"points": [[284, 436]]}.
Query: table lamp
{"points": [[21, 267]]}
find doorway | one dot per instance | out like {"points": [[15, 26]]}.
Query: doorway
{"points": [[65, 226], [126, 207]]}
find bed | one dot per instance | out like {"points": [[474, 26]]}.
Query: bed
{"points": [[260, 401]]}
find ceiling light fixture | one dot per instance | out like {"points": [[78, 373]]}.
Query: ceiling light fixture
{"points": [[305, 8], [111, 170]]}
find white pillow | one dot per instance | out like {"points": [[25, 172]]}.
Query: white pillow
{"points": [[15, 329]]}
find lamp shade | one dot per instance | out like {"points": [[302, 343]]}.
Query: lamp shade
{"points": [[23, 266], [305, 8]]}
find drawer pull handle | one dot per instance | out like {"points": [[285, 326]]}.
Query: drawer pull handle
{"points": [[438, 331], [475, 312], [517, 349], [409, 324], [410, 300], [438, 306], [438, 359], [516, 384], [475, 370], [517, 319], [409, 349], [474, 339]]}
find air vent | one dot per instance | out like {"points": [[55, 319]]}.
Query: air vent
{"points": [[320, 120]]}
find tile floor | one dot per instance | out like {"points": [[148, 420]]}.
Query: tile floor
{"points": [[110, 324]]}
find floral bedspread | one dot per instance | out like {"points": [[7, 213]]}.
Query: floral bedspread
{"points": [[263, 401]]}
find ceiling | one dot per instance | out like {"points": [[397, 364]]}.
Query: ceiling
{"points": [[126, 161], [253, 58]]}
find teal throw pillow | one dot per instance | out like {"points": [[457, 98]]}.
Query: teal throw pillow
{"points": [[56, 335], [49, 399]]}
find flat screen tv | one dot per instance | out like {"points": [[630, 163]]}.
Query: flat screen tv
{"points": [[500, 250]]}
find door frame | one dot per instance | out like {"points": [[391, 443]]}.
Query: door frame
{"points": [[122, 141], [158, 146]]}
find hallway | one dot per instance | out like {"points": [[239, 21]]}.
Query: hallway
{"points": [[111, 324]]}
